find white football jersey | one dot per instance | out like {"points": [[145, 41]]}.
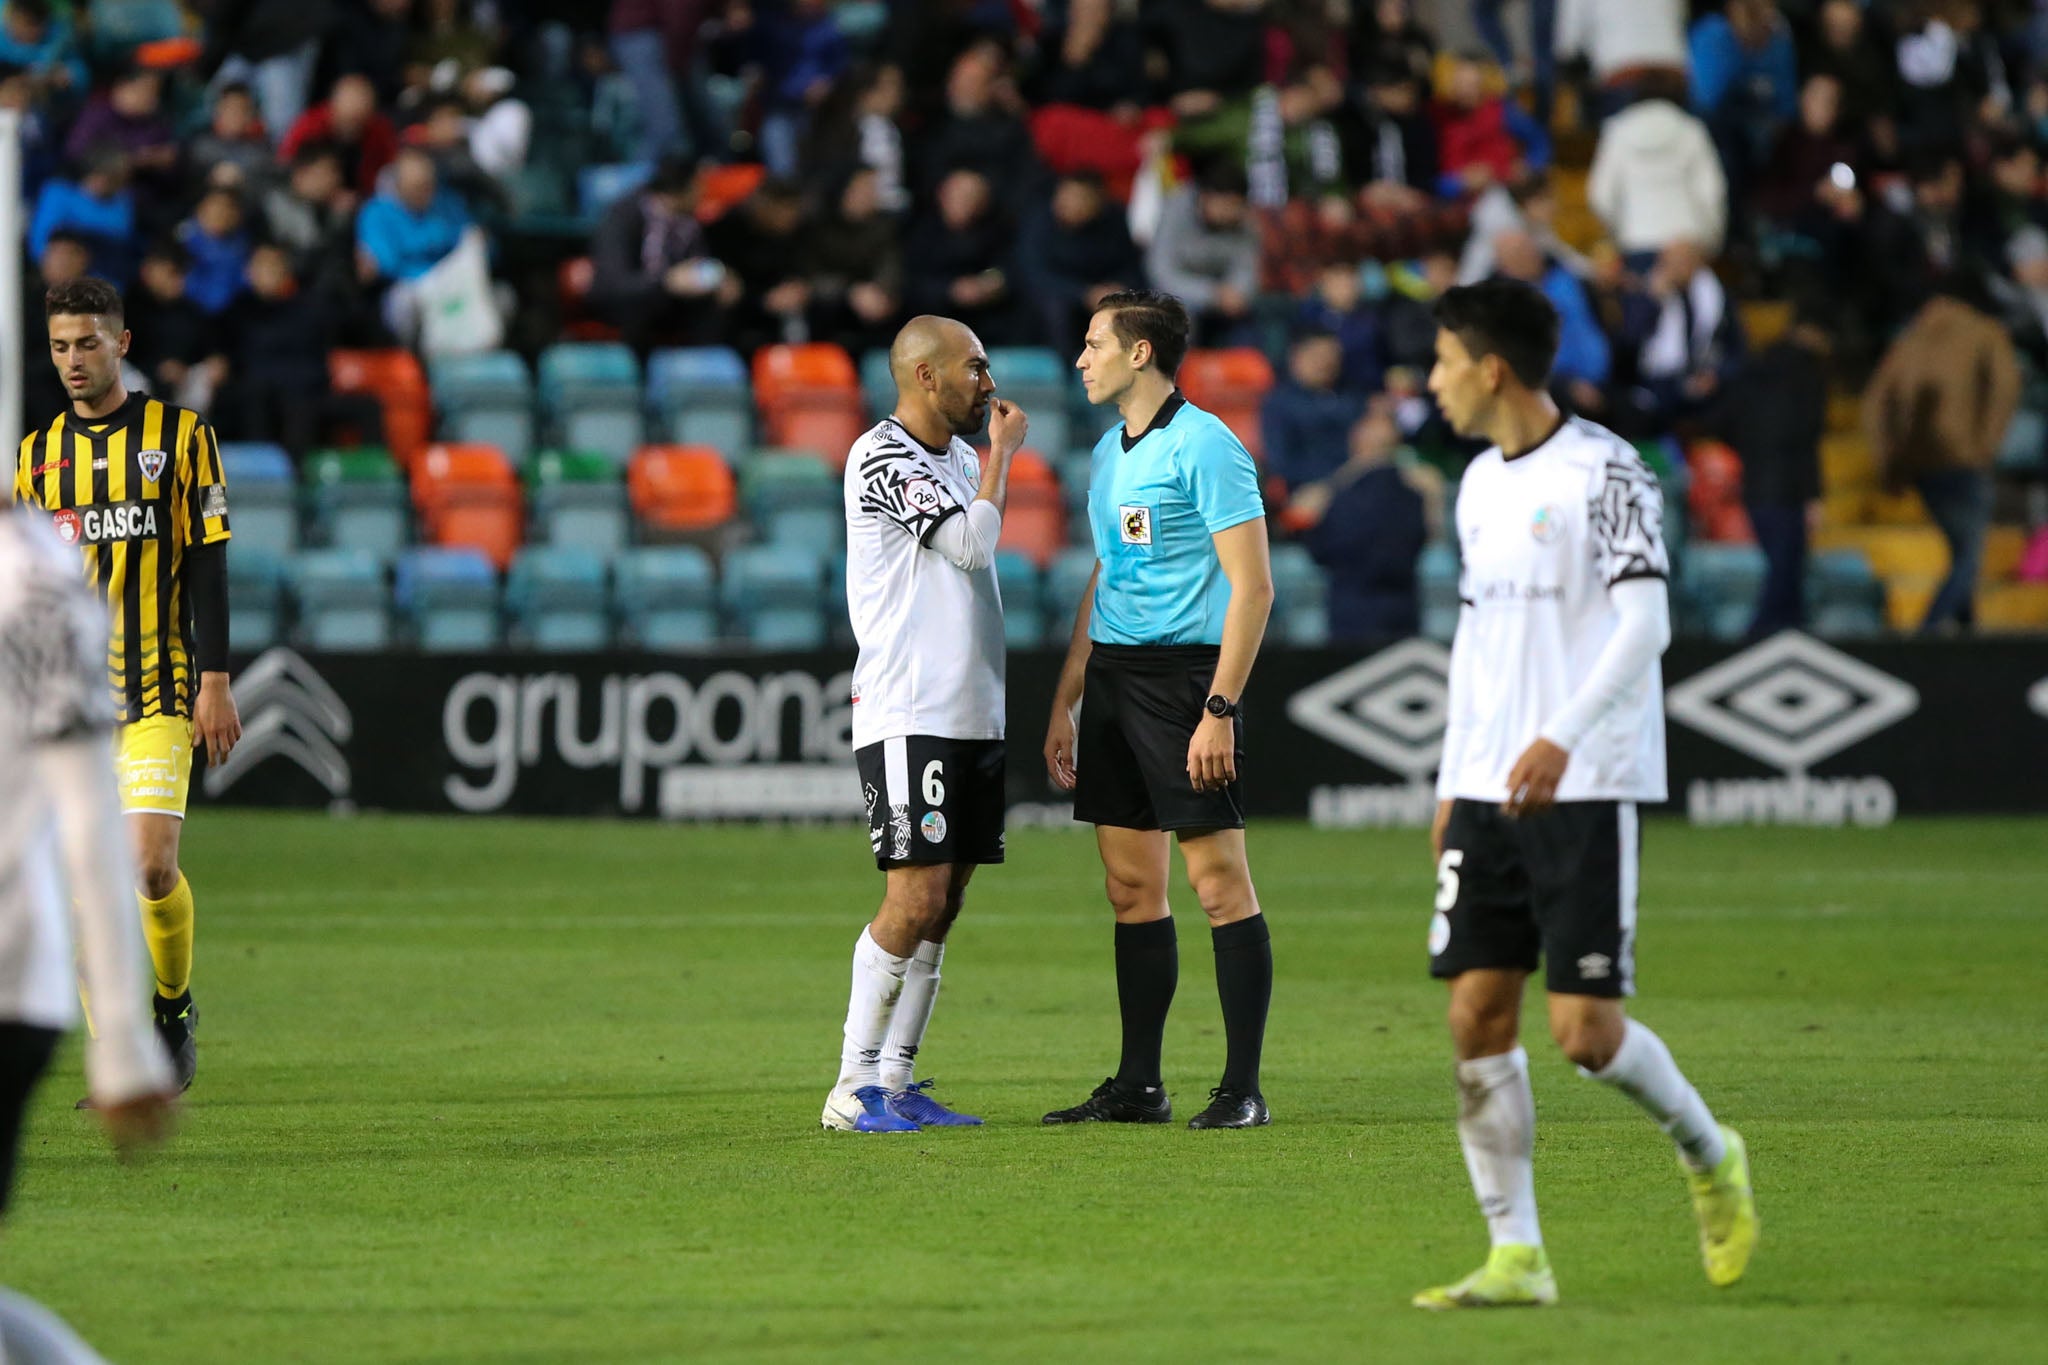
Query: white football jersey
{"points": [[931, 633], [53, 686], [1542, 538]]}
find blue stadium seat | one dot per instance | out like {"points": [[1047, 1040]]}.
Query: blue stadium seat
{"points": [[1844, 596], [1724, 580], [343, 604], [558, 598], [1305, 626], [816, 528], [485, 398], [121, 24], [590, 516], [1065, 580], [668, 598], [1022, 583], [254, 464], [591, 392], [1297, 579], [764, 577], [265, 517], [1038, 380], [702, 396], [779, 481], [450, 596], [1438, 564], [1436, 575], [599, 187], [785, 628], [256, 597], [360, 515], [877, 385]]}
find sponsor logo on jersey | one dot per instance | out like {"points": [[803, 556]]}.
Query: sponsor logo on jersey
{"points": [[54, 465], [1548, 524], [107, 524], [1791, 702], [1135, 525], [1389, 708], [152, 462], [214, 501]]}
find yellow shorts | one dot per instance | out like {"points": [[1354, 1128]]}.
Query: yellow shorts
{"points": [[153, 760]]}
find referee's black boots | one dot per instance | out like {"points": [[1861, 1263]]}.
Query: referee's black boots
{"points": [[1115, 1102], [1232, 1109]]}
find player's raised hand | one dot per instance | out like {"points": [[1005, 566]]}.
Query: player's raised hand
{"points": [[1532, 782], [1059, 749], [1006, 427], [215, 721]]}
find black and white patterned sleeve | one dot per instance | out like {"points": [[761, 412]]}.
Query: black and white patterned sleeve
{"points": [[53, 656], [897, 485], [1628, 520]]}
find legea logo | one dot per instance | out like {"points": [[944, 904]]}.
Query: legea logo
{"points": [[288, 712], [1390, 708], [1791, 702]]}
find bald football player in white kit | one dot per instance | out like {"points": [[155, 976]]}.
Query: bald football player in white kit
{"points": [[923, 515]]}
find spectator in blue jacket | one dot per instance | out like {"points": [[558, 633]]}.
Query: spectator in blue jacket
{"points": [[219, 246], [1584, 358], [1305, 422], [33, 37], [1074, 248], [1338, 306], [1745, 84], [98, 207], [404, 232], [1365, 523], [804, 53]]}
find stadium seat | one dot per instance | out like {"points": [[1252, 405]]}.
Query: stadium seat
{"points": [[785, 628], [877, 385], [809, 398], [816, 528], [1022, 585], [1231, 383], [394, 378], [1305, 626], [702, 396], [256, 597], [777, 480], [265, 498], [1723, 581], [1298, 581], [1436, 575], [794, 371], [591, 392], [681, 489], [468, 497], [760, 577], [558, 600], [485, 399], [588, 516], [1036, 379], [668, 598], [1066, 578], [450, 595], [343, 604], [356, 500], [599, 187], [448, 465], [1035, 522], [723, 187]]}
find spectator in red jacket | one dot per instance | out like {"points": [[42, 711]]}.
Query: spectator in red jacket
{"points": [[363, 137], [1483, 139]]}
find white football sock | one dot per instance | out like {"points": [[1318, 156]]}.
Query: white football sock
{"points": [[913, 1015], [1642, 1069], [877, 985], [31, 1334], [1497, 1129]]}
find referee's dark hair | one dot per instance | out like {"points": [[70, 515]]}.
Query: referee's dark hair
{"points": [[1506, 318], [85, 296], [1150, 315]]}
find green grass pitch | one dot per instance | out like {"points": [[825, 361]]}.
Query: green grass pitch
{"points": [[548, 1092]]}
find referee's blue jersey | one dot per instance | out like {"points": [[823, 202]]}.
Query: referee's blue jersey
{"points": [[1153, 504]]}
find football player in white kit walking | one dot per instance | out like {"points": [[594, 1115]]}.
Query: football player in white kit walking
{"points": [[1555, 733], [923, 515], [62, 844]]}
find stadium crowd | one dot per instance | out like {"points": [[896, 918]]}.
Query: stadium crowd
{"points": [[271, 179]]}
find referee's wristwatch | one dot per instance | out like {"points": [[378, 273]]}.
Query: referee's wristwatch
{"points": [[1220, 706]]}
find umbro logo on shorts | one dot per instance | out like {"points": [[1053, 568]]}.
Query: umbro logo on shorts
{"points": [[1595, 967]]}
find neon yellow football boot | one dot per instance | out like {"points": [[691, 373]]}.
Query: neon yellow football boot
{"points": [[1726, 1206], [1513, 1277]]}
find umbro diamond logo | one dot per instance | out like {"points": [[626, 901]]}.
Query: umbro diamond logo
{"points": [[1389, 708], [1791, 701], [1595, 967]]}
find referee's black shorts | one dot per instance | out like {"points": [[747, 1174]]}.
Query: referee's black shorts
{"points": [[1139, 709]]}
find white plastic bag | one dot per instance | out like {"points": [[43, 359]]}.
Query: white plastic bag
{"points": [[457, 314]]}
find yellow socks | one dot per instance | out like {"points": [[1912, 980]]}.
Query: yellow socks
{"points": [[167, 925]]}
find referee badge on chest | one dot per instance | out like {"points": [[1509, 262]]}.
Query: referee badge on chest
{"points": [[152, 462], [1135, 525]]}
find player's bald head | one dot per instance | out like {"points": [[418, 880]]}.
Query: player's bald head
{"points": [[926, 340]]}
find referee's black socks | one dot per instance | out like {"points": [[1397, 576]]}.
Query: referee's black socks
{"points": [[1147, 970], [1244, 983]]}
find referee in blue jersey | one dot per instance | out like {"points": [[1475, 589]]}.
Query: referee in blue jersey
{"points": [[1163, 646]]}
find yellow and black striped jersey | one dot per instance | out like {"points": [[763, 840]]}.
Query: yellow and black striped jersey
{"points": [[134, 491]]}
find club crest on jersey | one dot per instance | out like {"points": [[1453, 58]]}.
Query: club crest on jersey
{"points": [[66, 522], [1135, 525], [1548, 524], [933, 827], [152, 462]]}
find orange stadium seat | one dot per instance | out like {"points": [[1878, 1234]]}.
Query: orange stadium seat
{"points": [[394, 378], [456, 466], [1035, 523], [681, 488], [1232, 383], [480, 517], [824, 425], [782, 372], [724, 186]]}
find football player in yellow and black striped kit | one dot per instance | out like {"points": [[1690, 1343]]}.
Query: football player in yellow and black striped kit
{"points": [[137, 486]]}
